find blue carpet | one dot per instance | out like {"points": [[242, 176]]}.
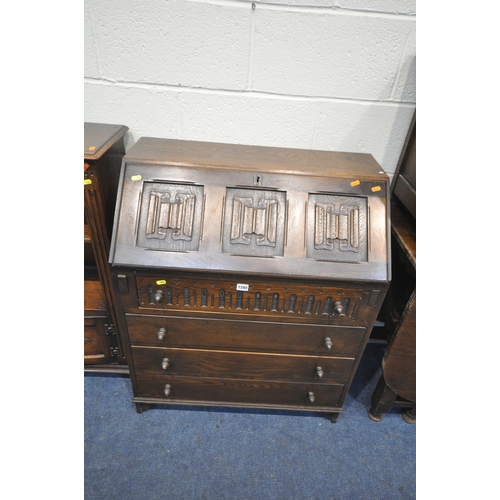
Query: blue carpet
{"points": [[194, 453]]}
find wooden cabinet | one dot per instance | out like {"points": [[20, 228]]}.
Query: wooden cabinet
{"points": [[247, 276], [397, 384], [103, 152]]}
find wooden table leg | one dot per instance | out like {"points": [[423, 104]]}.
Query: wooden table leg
{"points": [[410, 416], [383, 399]]}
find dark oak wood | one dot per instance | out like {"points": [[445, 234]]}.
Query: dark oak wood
{"points": [[237, 334], [397, 384], [276, 298], [94, 300], [158, 363], [103, 152], [403, 228], [400, 362], [258, 159], [247, 276], [310, 232], [404, 184], [240, 393], [95, 344]]}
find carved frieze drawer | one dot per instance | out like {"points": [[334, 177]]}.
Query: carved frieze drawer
{"points": [[247, 296], [233, 392], [210, 333], [157, 362]]}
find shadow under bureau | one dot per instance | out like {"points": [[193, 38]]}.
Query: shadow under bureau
{"points": [[247, 276]]}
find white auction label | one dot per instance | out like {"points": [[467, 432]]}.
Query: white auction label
{"points": [[242, 288]]}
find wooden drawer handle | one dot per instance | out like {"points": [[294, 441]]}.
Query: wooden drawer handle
{"points": [[319, 372], [167, 389], [158, 296], [339, 308], [311, 397], [328, 342], [161, 333], [165, 362]]}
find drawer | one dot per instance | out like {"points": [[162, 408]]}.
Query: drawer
{"points": [[248, 296], [96, 347], [157, 362], [242, 392], [244, 335]]}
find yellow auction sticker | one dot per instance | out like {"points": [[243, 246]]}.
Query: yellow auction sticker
{"points": [[355, 183], [87, 181], [161, 282], [136, 177], [376, 188]]}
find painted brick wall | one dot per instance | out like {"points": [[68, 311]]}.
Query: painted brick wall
{"points": [[320, 74]]}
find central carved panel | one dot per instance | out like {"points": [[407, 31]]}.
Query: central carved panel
{"points": [[254, 222], [170, 216]]}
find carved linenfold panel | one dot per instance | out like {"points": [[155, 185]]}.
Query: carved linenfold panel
{"points": [[259, 220], [337, 228], [170, 216], [170, 212], [254, 222], [332, 223]]}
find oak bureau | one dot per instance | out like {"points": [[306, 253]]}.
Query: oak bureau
{"points": [[247, 276]]}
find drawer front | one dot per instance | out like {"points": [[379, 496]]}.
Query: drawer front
{"points": [[248, 296], [241, 392], [96, 347], [244, 335], [156, 362]]}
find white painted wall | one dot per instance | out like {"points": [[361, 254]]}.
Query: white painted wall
{"points": [[316, 74]]}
